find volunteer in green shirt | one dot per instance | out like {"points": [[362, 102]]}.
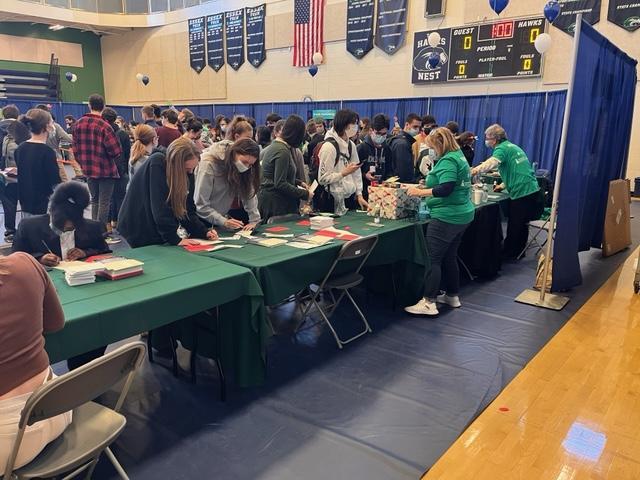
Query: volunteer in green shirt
{"points": [[448, 188], [519, 180]]}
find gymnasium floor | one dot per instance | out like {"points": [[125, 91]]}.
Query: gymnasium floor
{"points": [[386, 407]]}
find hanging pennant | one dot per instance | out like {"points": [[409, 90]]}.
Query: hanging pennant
{"points": [[196, 44], [569, 10], [391, 25], [360, 15], [215, 41], [254, 24], [234, 31], [625, 14]]}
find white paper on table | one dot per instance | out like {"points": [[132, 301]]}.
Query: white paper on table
{"points": [[302, 245], [278, 235], [221, 247], [207, 242], [67, 243]]}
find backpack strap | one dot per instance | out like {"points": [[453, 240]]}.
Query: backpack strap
{"points": [[333, 142]]}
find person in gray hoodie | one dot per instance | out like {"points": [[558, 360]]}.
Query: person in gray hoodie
{"points": [[227, 179]]}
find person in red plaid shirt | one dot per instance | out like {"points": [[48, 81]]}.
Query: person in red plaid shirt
{"points": [[96, 148]]}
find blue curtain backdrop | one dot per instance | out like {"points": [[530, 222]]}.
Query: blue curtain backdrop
{"points": [[602, 106], [532, 120]]}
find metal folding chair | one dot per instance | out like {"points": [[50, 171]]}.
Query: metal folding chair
{"points": [[536, 228], [94, 426], [357, 252], [291, 217]]}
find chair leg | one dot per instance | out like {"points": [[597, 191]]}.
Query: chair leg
{"points": [[364, 319], [149, 347], [466, 269], [223, 381], [174, 356], [116, 464], [193, 359]]}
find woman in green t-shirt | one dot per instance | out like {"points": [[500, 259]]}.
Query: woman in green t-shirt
{"points": [[518, 177], [448, 187]]}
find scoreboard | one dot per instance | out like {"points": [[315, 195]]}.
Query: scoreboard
{"points": [[503, 49]]}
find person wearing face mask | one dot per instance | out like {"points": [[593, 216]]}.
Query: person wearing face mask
{"points": [[402, 149], [228, 178], [279, 193], [339, 169], [518, 178], [448, 189], [159, 208], [63, 233], [374, 153], [37, 165], [221, 127]]}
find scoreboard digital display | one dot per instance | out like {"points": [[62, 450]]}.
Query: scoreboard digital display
{"points": [[503, 49]]}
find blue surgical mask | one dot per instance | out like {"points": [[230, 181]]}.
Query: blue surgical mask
{"points": [[378, 139]]}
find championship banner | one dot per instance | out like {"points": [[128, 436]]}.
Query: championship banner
{"points": [[360, 15], [215, 41], [254, 24], [625, 14], [391, 25], [234, 30], [196, 44], [569, 9]]}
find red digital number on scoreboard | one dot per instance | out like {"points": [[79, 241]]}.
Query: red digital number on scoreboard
{"points": [[502, 30]]}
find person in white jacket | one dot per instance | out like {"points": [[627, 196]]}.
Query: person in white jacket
{"points": [[339, 169]]}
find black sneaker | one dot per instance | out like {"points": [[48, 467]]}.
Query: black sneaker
{"points": [[8, 237]]}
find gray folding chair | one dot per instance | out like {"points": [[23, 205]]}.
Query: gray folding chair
{"points": [[357, 252], [94, 427], [536, 228], [290, 217]]}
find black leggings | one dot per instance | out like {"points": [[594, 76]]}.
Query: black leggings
{"points": [[521, 212]]}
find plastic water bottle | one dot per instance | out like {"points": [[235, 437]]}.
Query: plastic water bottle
{"points": [[485, 193], [423, 210]]}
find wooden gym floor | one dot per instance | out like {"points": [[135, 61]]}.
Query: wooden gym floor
{"points": [[574, 412]]}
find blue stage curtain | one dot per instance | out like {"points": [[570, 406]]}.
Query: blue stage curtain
{"points": [[448, 108], [361, 107], [411, 105], [552, 129], [601, 109], [261, 110], [230, 110], [388, 107]]}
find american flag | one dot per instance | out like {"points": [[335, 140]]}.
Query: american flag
{"points": [[308, 19]]}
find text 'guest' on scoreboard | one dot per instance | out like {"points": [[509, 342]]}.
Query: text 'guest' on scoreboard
{"points": [[503, 49]]}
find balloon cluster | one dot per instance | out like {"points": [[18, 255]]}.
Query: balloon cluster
{"points": [[72, 77], [551, 12], [144, 79], [317, 60], [433, 40]]}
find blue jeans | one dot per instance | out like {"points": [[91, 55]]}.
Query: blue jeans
{"points": [[443, 241]]}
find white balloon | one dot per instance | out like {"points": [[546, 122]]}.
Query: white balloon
{"points": [[317, 58], [74, 78], [434, 39], [543, 42], [139, 76]]}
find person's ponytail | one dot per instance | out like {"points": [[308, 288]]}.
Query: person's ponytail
{"points": [[143, 135]]}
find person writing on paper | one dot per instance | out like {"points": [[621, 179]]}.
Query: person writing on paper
{"points": [[228, 178], [63, 233], [29, 307], [278, 194], [448, 189], [527, 202], [339, 171], [159, 208]]}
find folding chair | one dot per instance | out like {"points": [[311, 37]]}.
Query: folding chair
{"points": [[355, 250], [536, 227], [94, 426]]}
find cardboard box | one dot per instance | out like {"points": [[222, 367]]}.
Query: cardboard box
{"points": [[391, 202], [617, 224]]}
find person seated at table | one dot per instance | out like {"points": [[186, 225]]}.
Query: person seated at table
{"points": [[63, 233], [339, 170], [159, 208], [374, 153], [448, 189], [29, 307], [278, 193], [228, 179], [518, 178]]}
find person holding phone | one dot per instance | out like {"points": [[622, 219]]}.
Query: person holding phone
{"points": [[339, 170]]}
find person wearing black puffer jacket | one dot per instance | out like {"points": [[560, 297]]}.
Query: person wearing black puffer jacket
{"points": [[374, 153], [401, 149]]}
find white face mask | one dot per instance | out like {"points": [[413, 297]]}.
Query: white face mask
{"points": [[241, 166], [378, 139], [413, 132], [352, 130], [488, 144]]}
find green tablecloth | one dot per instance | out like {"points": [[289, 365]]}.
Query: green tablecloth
{"points": [[175, 285], [283, 271]]}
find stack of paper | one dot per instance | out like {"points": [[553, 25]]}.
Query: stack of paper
{"points": [[320, 223], [119, 268], [79, 273], [269, 242]]}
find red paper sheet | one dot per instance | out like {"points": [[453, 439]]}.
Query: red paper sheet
{"points": [[329, 233], [197, 248], [304, 223], [276, 229]]}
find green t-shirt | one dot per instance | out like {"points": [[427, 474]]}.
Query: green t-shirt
{"points": [[516, 170], [457, 207]]}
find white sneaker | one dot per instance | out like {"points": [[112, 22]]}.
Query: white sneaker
{"points": [[423, 307], [453, 301]]}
